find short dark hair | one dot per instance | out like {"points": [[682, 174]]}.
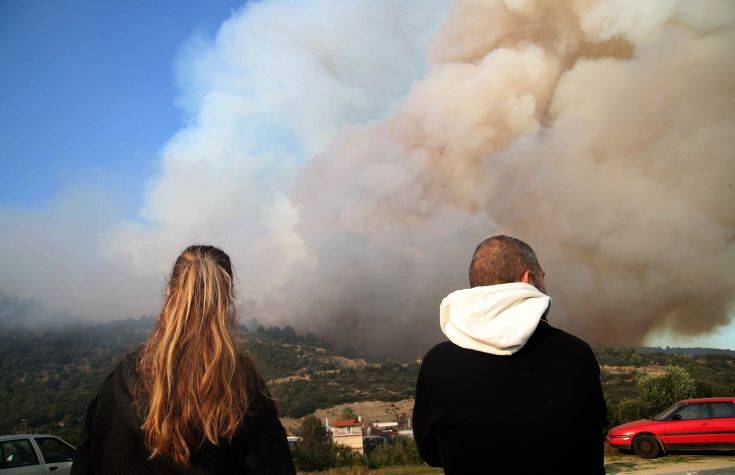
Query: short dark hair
{"points": [[500, 260]]}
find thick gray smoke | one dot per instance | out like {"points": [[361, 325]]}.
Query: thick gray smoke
{"points": [[600, 132], [350, 154]]}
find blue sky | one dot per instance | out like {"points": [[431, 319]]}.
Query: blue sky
{"points": [[89, 92]]}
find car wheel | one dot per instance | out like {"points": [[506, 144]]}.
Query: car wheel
{"points": [[646, 446]]}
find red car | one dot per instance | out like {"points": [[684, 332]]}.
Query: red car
{"points": [[693, 424]]}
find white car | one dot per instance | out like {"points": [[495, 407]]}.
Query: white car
{"points": [[35, 454]]}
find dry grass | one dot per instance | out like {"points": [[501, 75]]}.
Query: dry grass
{"points": [[615, 463], [409, 470], [651, 369]]}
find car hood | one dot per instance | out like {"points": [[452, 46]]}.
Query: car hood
{"points": [[633, 426]]}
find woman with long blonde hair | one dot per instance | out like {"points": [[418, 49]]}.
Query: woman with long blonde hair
{"points": [[187, 401]]}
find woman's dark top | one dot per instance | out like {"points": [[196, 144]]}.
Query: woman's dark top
{"points": [[111, 441]]}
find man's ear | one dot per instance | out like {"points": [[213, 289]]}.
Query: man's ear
{"points": [[527, 277]]}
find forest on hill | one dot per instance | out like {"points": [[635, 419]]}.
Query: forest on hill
{"points": [[49, 376]]}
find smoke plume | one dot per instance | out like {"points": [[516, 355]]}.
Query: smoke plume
{"points": [[349, 156], [600, 132]]}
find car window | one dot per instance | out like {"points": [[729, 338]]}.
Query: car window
{"points": [[664, 415], [693, 411], [722, 409], [54, 450], [17, 453]]}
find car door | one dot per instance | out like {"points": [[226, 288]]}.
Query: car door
{"points": [[689, 428], [19, 457], [723, 423], [57, 455]]}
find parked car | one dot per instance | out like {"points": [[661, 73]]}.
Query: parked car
{"points": [[35, 454], [693, 424]]}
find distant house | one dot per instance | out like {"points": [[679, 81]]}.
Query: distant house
{"points": [[347, 432], [385, 430], [385, 425]]}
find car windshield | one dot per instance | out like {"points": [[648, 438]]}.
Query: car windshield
{"points": [[665, 414]]}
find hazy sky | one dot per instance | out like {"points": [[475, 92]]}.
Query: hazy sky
{"points": [[116, 116]]}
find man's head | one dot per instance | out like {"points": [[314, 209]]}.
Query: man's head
{"points": [[503, 259]]}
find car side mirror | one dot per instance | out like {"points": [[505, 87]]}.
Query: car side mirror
{"points": [[676, 417]]}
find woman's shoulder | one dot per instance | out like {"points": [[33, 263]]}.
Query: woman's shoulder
{"points": [[115, 396], [125, 382], [127, 369], [260, 401]]}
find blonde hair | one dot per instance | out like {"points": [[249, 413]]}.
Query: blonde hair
{"points": [[191, 375]]}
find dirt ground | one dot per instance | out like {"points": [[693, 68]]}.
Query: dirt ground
{"points": [[704, 462], [712, 463]]}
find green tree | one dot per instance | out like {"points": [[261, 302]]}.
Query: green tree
{"points": [[312, 432], [315, 451], [654, 393], [348, 413]]}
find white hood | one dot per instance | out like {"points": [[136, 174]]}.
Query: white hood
{"points": [[497, 319]]}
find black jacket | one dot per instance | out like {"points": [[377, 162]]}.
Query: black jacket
{"points": [[112, 443], [540, 410]]}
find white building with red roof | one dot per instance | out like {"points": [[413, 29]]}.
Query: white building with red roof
{"points": [[347, 432]]}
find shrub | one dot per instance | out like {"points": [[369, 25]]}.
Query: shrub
{"points": [[347, 457], [654, 393], [399, 451], [659, 391], [628, 409]]}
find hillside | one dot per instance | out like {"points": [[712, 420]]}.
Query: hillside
{"points": [[49, 376], [714, 372]]}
